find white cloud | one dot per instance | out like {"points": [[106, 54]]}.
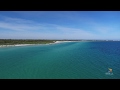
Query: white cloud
{"points": [[31, 29], [20, 24], [17, 20]]}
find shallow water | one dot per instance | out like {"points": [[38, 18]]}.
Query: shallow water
{"points": [[69, 60]]}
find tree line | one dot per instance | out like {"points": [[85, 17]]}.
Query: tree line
{"points": [[21, 41]]}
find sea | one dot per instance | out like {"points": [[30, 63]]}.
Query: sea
{"points": [[68, 60]]}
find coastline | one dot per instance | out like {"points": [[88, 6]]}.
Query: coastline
{"points": [[16, 45], [34, 44], [62, 41], [66, 41]]}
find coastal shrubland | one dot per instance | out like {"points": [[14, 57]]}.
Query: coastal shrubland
{"points": [[24, 41]]}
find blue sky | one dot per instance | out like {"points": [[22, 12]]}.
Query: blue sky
{"points": [[60, 25]]}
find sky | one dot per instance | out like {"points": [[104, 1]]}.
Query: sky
{"points": [[60, 25]]}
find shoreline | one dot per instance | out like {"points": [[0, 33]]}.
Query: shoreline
{"points": [[66, 41], [16, 45], [34, 44], [55, 42]]}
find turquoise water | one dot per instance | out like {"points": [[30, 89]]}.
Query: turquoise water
{"points": [[69, 60]]}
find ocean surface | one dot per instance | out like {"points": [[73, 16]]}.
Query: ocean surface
{"points": [[68, 60]]}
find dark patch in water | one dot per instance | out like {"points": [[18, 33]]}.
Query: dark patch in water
{"points": [[107, 47]]}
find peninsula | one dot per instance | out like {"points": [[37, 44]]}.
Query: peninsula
{"points": [[24, 42]]}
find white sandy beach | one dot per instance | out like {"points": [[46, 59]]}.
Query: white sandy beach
{"points": [[24, 44], [65, 41], [62, 41], [16, 45]]}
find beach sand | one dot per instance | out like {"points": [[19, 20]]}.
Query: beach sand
{"points": [[65, 41], [16, 45]]}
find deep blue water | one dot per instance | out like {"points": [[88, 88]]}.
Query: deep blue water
{"points": [[69, 60]]}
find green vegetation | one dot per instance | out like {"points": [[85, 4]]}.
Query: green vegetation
{"points": [[21, 41], [34, 41]]}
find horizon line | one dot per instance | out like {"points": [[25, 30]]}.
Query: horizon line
{"points": [[60, 39]]}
